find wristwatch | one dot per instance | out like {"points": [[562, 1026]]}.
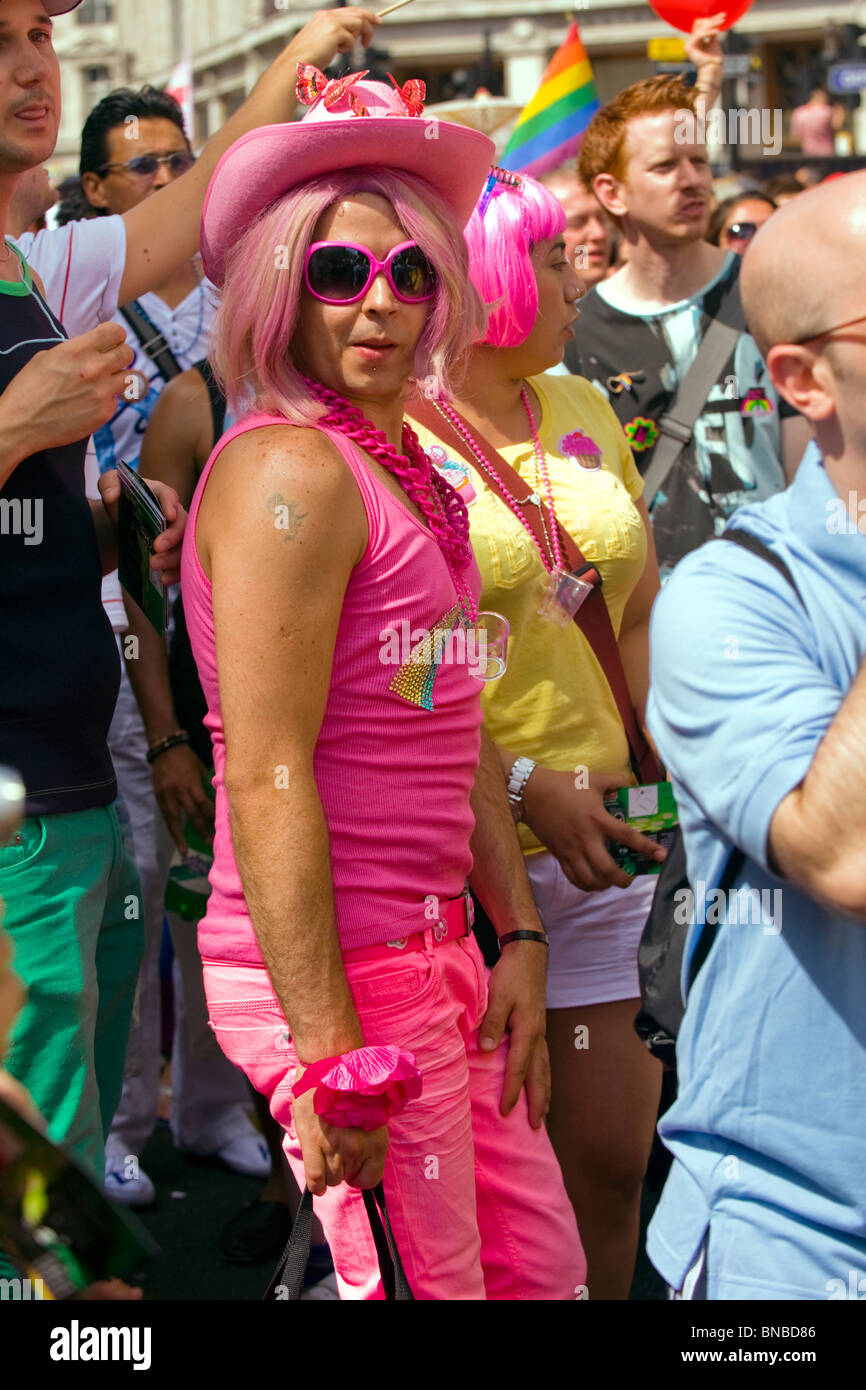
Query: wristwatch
{"points": [[521, 771]]}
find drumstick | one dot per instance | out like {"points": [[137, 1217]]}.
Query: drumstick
{"points": [[391, 8]]}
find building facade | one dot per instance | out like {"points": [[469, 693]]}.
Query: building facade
{"points": [[455, 45], [92, 62]]}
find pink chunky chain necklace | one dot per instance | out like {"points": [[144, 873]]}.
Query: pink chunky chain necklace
{"points": [[554, 557], [439, 503]]}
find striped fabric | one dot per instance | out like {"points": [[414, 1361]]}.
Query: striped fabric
{"points": [[551, 126]]}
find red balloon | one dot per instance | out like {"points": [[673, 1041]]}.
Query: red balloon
{"points": [[683, 13]]}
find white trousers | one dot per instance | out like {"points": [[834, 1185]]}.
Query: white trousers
{"points": [[210, 1096]]}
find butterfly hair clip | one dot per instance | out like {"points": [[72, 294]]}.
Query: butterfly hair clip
{"points": [[412, 95], [497, 175], [312, 84]]}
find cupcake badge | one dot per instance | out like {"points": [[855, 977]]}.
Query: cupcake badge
{"points": [[582, 449]]}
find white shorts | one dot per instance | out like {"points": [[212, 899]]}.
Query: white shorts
{"points": [[593, 936]]}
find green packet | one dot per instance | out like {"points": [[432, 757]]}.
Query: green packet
{"points": [[651, 809]]}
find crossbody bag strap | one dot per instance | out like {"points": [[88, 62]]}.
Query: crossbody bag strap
{"points": [[747, 541], [677, 424], [152, 342], [592, 617]]}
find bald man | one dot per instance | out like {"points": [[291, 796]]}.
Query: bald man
{"points": [[758, 707]]}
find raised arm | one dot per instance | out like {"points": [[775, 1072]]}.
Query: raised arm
{"points": [[163, 231], [277, 598]]}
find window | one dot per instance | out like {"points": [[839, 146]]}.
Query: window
{"points": [[95, 12], [98, 82]]}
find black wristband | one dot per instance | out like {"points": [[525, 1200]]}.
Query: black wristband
{"points": [[173, 741], [540, 936]]}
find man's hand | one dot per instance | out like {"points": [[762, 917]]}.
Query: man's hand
{"points": [[703, 45], [574, 826], [517, 1003], [334, 1154], [64, 394], [179, 788], [167, 546], [330, 32]]}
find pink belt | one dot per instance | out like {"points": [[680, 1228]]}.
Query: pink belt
{"points": [[455, 919]]}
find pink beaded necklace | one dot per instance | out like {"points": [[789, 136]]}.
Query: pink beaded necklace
{"points": [[553, 559], [439, 503]]}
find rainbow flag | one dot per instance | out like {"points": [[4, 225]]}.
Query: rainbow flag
{"points": [[551, 127]]}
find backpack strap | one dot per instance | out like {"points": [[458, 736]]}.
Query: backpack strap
{"points": [[217, 399], [678, 422], [737, 858], [750, 542], [153, 343]]}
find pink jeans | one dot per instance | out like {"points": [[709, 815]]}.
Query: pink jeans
{"points": [[476, 1199]]}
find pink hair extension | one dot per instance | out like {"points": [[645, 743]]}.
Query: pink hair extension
{"points": [[499, 245], [256, 323]]}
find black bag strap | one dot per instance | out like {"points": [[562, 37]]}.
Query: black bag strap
{"points": [[737, 860], [152, 342], [751, 543], [289, 1273], [215, 395], [678, 422]]}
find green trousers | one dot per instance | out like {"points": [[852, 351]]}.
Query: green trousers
{"points": [[73, 910]]}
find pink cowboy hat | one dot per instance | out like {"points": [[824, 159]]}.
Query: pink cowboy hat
{"points": [[351, 124]]}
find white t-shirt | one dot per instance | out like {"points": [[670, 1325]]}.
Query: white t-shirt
{"points": [[186, 329], [81, 266]]}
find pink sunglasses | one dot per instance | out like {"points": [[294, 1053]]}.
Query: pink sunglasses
{"points": [[341, 272]]}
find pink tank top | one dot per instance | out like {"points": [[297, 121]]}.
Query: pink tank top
{"points": [[398, 748]]}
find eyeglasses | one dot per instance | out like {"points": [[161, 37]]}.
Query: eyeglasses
{"points": [[742, 231], [144, 166], [825, 333], [341, 272]]}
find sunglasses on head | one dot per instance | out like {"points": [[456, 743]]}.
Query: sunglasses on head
{"points": [[742, 231], [341, 272]]}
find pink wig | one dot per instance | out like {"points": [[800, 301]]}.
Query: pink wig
{"points": [[252, 339], [499, 246]]}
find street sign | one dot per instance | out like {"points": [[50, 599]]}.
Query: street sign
{"points": [[666, 50], [737, 64], [846, 77]]}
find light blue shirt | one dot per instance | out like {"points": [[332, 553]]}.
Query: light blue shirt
{"points": [[769, 1128]]}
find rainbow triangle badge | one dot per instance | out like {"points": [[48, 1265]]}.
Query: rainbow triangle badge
{"points": [[420, 663]]}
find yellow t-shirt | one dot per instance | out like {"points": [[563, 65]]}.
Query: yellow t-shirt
{"points": [[553, 703]]}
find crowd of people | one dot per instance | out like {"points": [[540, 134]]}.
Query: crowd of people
{"points": [[446, 454]]}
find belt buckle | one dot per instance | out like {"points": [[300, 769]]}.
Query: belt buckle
{"points": [[470, 911], [399, 944]]}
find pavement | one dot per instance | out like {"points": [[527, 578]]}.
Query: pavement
{"points": [[195, 1199]]}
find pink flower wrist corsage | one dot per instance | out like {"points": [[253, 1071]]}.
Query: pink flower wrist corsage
{"points": [[362, 1089]]}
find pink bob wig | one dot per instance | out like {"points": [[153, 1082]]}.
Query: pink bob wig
{"points": [[254, 332], [499, 246]]}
